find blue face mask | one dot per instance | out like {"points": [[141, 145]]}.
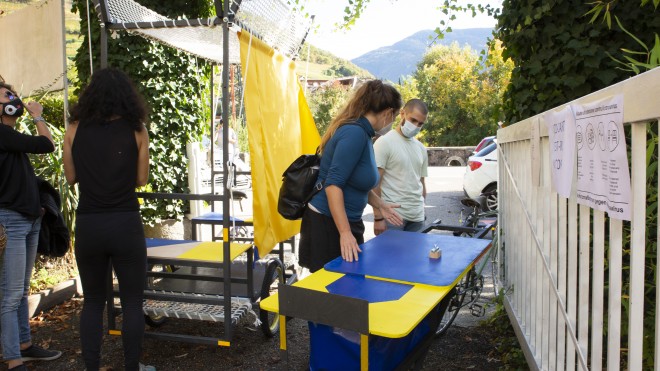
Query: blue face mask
{"points": [[409, 130]]}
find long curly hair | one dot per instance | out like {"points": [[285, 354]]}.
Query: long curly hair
{"points": [[373, 96], [110, 94]]}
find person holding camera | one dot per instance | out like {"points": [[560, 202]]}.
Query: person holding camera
{"points": [[20, 215]]}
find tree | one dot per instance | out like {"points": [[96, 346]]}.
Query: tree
{"points": [[325, 102], [463, 95]]}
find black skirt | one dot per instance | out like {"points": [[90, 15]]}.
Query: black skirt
{"points": [[319, 239]]}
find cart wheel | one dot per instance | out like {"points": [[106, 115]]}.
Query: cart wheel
{"points": [[455, 304], [154, 321], [270, 322], [151, 319]]}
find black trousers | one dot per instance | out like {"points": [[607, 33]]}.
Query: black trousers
{"points": [[111, 238], [319, 239]]}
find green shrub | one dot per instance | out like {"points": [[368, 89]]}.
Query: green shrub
{"points": [[505, 340], [325, 103]]}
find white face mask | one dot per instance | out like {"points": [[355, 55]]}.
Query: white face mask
{"points": [[409, 130]]}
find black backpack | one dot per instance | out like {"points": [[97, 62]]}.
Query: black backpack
{"points": [[54, 238], [299, 185]]}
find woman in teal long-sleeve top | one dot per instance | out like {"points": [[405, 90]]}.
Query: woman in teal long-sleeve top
{"points": [[332, 223]]}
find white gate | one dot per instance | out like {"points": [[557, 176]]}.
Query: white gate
{"points": [[566, 307]]}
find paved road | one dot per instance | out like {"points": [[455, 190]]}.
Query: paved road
{"points": [[444, 188]]}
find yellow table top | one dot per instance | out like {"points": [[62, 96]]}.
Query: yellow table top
{"points": [[392, 319], [196, 250]]}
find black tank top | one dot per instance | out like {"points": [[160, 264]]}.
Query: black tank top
{"points": [[105, 158]]}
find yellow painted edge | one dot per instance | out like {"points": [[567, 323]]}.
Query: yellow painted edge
{"points": [[390, 280], [417, 303], [225, 234], [364, 352], [282, 332], [224, 343], [460, 276], [114, 332]]}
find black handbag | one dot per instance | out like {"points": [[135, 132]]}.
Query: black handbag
{"points": [[299, 185]]}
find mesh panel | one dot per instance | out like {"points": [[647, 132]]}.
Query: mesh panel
{"points": [[205, 42], [121, 11], [275, 24], [271, 20]]}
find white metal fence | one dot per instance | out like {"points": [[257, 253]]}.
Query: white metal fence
{"points": [[562, 263]]}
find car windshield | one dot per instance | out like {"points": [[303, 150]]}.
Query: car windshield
{"points": [[484, 142], [486, 150]]}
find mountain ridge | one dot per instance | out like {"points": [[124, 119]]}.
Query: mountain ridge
{"points": [[408, 51]]}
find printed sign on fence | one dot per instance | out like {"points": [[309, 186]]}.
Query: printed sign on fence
{"points": [[561, 133], [603, 175]]}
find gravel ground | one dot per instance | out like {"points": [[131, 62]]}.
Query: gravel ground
{"points": [[466, 345], [461, 348]]}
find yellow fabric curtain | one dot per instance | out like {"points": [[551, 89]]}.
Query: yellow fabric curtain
{"points": [[280, 128]]}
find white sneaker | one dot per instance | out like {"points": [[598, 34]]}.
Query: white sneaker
{"points": [[147, 367]]}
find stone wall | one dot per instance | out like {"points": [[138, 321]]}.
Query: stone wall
{"points": [[449, 156], [170, 229]]}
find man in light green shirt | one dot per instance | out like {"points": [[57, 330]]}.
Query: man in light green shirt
{"points": [[403, 164]]}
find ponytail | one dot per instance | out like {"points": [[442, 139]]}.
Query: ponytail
{"points": [[372, 96]]}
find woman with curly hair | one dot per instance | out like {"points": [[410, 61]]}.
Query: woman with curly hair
{"points": [[106, 151]]}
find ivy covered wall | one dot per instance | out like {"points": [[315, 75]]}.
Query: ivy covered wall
{"points": [[559, 56], [175, 86]]}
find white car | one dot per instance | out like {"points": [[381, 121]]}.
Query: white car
{"points": [[484, 142], [481, 177]]}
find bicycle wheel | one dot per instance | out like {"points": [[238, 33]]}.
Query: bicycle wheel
{"points": [[455, 304], [270, 322], [470, 221]]}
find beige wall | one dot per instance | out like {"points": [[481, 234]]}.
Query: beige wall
{"points": [[32, 47]]}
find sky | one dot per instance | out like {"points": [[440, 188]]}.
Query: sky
{"points": [[383, 23]]}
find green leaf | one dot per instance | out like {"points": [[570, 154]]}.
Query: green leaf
{"points": [[608, 18], [630, 34], [632, 51], [654, 57], [650, 149], [596, 12]]}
